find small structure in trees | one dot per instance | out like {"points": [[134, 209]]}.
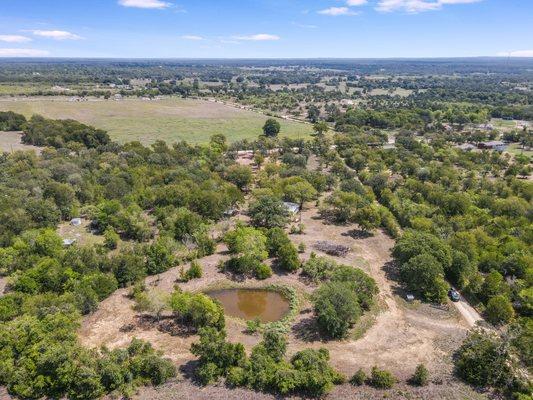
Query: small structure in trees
{"points": [[75, 221], [332, 249]]}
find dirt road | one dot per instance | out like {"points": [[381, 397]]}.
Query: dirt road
{"points": [[470, 315]]}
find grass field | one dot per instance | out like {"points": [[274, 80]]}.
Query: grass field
{"points": [[169, 119], [516, 148]]}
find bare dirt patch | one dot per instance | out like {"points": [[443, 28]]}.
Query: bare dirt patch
{"points": [[398, 336], [11, 141], [81, 233]]}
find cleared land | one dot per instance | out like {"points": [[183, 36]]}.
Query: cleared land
{"points": [[400, 336], [169, 119], [10, 141]]}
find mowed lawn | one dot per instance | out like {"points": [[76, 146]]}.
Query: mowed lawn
{"points": [[169, 119]]}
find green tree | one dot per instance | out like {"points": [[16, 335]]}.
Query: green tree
{"points": [[381, 379], [423, 274], [240, 175], [368, 218], [271, 128], [300, 192], [499, 310], [248, 241], [336, 308], [421, 376], [288, 257], [268, 212]]}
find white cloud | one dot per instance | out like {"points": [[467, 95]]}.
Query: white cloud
{"points": [[57, 35], [23, 53], [14, 39], [304, 26], [192, 37], [517, 53], [353, 3], [336, 11], [417, 6], [144, 3], [458, 1], [260, 37]]}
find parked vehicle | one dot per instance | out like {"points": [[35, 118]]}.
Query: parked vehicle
{"points": [[453, 295]]}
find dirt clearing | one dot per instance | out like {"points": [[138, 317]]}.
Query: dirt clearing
{"points": [[398, 338]]}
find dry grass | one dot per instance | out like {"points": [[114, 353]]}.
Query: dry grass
{"points": [[81, 233], [169, 119], [10, 141]]}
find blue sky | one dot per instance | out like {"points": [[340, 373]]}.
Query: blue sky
{"points": [[266, 28]]}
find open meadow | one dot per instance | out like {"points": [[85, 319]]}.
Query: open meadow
{"points": [[169, 119]]}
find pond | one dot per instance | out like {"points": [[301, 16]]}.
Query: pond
{"points": [[248, 304]]}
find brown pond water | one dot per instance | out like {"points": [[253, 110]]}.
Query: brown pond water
{"points": [[249, 304]]}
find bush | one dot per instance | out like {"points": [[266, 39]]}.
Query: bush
{"points": [[288, 258], [319, 268], [499, 310], [194, 271], [197, 310], [363, 284], [248, 266], [253, 325], [247, 241], [216, 356], [276, 239], [111, 238], [236, 376], [423, 274], [263, 271], [358, 378], [381, 379], [336, 308], [421, 376], [481, 360], [268, 212], [271, 127]]}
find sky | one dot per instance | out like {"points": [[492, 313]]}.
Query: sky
{"points": [[266, 28]]}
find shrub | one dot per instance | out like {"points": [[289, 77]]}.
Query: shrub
{"points": [[263, 271], [275, 344], [197, 310], [236, 376], [216, 356], [111, 238], [276, 238], [499, 310], [248, 266], [253, 325], [421, 376], [319, 268], [247, 241], [317, 376], [358, 378], [363, 284], [423, 274], [194, 271], [337, 308], [271, 127], [268, 212], [288, 258], [481, 360], [301, 248], [381, 379]]}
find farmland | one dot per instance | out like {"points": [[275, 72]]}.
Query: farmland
{"points": [[169, 119]]}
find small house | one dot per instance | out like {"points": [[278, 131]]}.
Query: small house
{"points": [[292, 208], [75, 221], [68, 242], [466, 147], [495, 145]]}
